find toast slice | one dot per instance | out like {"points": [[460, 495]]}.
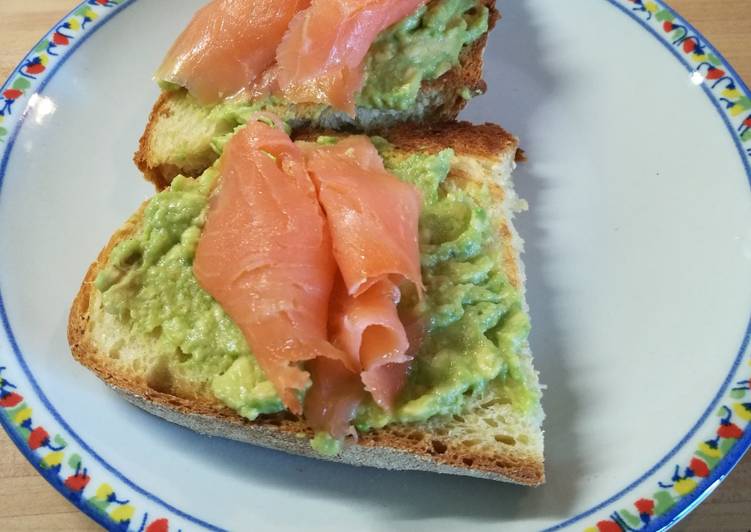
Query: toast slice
{"points": [[490, 438], [178, 136]]}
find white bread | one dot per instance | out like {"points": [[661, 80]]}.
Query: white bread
{"points": [[490, 439]]}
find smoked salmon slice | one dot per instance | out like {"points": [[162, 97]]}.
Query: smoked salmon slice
{"points": [[372, 215], [331, 402], [265, 255], [269, 256], [373, 218], [367, 328], [227, 46], [320, 59]]}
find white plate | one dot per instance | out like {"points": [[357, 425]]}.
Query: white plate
{"points": [[638, 255]]}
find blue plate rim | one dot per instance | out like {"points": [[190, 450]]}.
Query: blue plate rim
{"points": [[639, 12]]}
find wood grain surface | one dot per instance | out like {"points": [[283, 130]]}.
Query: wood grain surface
{"points": [[27, 502]]}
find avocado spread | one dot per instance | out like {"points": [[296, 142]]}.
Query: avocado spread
{"points": [[475, 326], [325, 444], [422, 47]]}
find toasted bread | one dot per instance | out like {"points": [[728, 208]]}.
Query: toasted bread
{"points": [[490, 439], [178, 135]]}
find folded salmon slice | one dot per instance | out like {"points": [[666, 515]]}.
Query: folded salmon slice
{"points": [[373, 216], [320, 59], [367, 328], [331, 402], [265, 255], [269, 256], [227, 46]]}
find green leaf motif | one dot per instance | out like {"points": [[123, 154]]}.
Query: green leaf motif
{"points": [[99, 504], [726, 445], [663, 502], [631, 519], [21, 84], [737, 394], [74, 461], [714, 59], [60, 441], [664, 15]]}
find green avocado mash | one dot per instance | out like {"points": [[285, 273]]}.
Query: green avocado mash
{"points": [[474, 320], [422, 47], [325, 444]]}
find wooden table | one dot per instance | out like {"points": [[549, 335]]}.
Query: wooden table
{"points": [[27, 502]]}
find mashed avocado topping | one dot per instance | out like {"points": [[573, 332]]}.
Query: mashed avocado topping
{"points": [[245, 388], [234, 115], [475, 326], [325, 444], [422, 47]]}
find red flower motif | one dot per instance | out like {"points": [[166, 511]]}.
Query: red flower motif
{"points": [[689, 46], [699, 467], [35, 68], [38, 438], [715, 73], [729, 430], [160, 525], [10, 400], [12, 94], [668, 26], [609, 526], [60, 39], [645, 506], [77, 482]]}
